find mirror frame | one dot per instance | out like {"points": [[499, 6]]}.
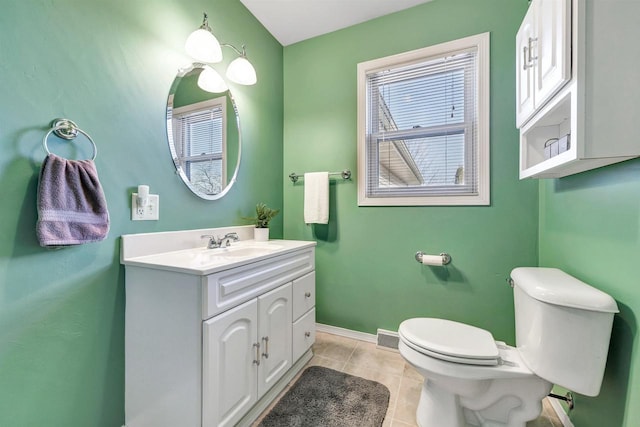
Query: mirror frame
{"points": [[172, 147]]}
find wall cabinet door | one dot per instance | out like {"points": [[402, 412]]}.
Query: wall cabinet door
{"points": [[230, 359], [553, 48], [274, 332], [543, 55], [525, 73]]}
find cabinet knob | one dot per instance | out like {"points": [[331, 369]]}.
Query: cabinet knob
{"points": [[307, 294], [307, 334]]}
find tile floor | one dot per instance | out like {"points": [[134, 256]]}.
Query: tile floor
{"points": [[389, 368]]}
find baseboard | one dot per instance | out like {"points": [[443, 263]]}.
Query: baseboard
{"points": [[384, 340], [348, 333], [564, 418]]}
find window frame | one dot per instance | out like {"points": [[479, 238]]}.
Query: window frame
{"points": [[478, 42]]}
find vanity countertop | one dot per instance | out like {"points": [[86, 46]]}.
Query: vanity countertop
{"points": [[203, 261]]}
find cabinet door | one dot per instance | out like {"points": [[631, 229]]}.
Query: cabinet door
{"points": [[553, 48], [229, 363], [525, 68], [274, 331]]}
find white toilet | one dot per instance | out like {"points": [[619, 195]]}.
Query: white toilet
{"points": [[563, 328]]}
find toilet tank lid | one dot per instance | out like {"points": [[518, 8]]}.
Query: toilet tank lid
{"points": [[554, 286]]}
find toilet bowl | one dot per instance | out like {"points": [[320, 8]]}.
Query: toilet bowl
{"points": [[470, 379], [467, 387]]}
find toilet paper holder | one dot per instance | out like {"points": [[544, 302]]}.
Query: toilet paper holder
{"points": [[446, 258]]}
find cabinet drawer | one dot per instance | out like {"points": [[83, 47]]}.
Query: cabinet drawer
{"points": [[304, 294], [229, 288], [304, 334]]}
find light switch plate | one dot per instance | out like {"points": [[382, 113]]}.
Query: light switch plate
{"points": [[151, 212]]}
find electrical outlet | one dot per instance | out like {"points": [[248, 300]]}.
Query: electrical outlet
{"points": [[151, 212]]}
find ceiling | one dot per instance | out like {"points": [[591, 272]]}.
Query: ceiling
{"points": [[291, 21]]}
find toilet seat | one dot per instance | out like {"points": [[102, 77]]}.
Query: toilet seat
{"points": [[450, 341]]}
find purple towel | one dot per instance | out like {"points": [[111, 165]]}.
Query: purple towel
{"points": [[72, 208]]}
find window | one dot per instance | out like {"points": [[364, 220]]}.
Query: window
{"points": [[423, 126], [200, 144]]}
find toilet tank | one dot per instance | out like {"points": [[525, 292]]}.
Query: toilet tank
{"points": [[563, 327]]}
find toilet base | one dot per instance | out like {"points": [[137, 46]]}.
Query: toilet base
{"points": [[438, 408], [455, 395], [495, 406]]}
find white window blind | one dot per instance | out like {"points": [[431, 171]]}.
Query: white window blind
{"points": [[422, 139]]}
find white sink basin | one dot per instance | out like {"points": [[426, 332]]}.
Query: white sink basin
{"points": [[203, 259], [245, 251], [233, 252]]}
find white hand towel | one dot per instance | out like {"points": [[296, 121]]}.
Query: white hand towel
{"points": [[316, 197]]}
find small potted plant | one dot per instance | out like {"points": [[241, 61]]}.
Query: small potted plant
{"points": [[264, 215]]}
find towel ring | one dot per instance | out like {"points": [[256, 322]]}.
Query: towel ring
{"points": [[66, 129]]}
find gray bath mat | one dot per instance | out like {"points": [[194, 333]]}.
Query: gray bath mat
{"points": [[323, 397]]}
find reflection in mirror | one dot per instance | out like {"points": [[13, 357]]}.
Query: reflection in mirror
{"points": [[203, 130]]}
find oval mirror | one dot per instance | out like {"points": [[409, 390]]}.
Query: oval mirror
{"points": [[203, 130]]}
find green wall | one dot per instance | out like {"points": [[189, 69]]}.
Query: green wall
{"points": [[107, 65], [590, 227], [367, 277]]}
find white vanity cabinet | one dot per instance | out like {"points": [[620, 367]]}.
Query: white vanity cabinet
{"points": [[543, 55], [214, 349], [593, 45]]}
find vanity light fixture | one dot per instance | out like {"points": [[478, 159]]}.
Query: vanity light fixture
{"points": [[240, 70], [203, 46], [211, 81]]}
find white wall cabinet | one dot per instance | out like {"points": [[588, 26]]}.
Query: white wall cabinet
{"points": [[596, 106], [543, 55], [215, 350]]}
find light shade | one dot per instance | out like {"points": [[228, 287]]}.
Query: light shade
{"points": [[211, 81], [203, 46], [242, 72]]}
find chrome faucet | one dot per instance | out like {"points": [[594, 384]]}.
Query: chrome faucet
{"points": [[218, 242], [227, 237]]}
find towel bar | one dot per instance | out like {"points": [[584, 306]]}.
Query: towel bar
{"points": [[66, 129], [346, 174]]}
